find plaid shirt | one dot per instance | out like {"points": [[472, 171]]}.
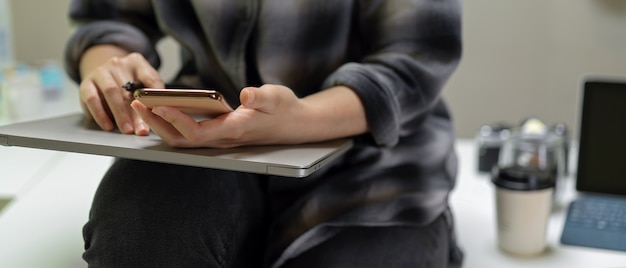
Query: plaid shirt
{"points": [[395, 54]]}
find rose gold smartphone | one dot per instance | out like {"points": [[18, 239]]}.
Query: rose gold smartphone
{"points": [[190, 101]]}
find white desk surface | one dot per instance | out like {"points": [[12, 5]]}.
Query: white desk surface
{"points": [[53, 190], [474, 207]]}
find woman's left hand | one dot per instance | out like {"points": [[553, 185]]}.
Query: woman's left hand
{"points": [[268, 115]]}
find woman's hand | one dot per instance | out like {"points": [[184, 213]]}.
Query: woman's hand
{"points": [[263, 118], [104, 70], [270, 114]]}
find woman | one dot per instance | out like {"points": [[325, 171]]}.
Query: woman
{"points": [[298, 71]]}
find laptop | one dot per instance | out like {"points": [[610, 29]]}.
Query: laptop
{"points": [[74, 133], [597, 217]]}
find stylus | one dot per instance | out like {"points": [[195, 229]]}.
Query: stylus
{"points": [[131, 86]]}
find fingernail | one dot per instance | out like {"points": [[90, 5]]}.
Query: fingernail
{"points": [[158, 111], [142, 129], [249, 97]]}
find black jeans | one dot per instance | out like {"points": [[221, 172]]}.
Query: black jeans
{"points": [[156, 215]]}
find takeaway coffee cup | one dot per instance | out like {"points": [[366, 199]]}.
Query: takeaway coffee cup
{"points": [[523, 205], [525, 178]]}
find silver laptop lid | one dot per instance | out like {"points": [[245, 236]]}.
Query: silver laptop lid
{"points": [[72, 133]]}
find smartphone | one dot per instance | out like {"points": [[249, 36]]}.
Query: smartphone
{"points": [[190, 101]]}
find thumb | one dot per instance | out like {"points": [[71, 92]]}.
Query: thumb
{"points": [[256, 98], [247, 97]]}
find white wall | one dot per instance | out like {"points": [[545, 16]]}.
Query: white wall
{"points": [[521, 58], [525, 58], [41, 29]]}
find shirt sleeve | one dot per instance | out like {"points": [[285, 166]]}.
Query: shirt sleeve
{"points": [[128, 24], [411, 47]]}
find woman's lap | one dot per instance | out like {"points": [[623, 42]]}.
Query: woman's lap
{"points": [[155, 215]]}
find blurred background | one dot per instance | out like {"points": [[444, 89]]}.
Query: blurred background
{"points": [[521, 58]]}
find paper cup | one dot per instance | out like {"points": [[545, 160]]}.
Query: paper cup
{"points": [[523, 205]]}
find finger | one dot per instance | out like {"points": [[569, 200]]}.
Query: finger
{"points": [[121, 77], [114, 96], [255, 98], [136, 63], [165, 130], [86, 111], [184, 124], [141, 128], [144, 72], [247, 97], [91, 101], [264, 99]]}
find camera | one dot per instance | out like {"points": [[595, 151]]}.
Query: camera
{"points": [[490, 138], [489, 141]]}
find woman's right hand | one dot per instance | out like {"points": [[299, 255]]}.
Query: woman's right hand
{"points": [[104, 69]]}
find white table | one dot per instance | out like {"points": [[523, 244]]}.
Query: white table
{"points": [[53, 192], [474, 207], [51, 195], [42, 226]]}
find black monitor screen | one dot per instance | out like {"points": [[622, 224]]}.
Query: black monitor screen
{"points": [[602, 151]]}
